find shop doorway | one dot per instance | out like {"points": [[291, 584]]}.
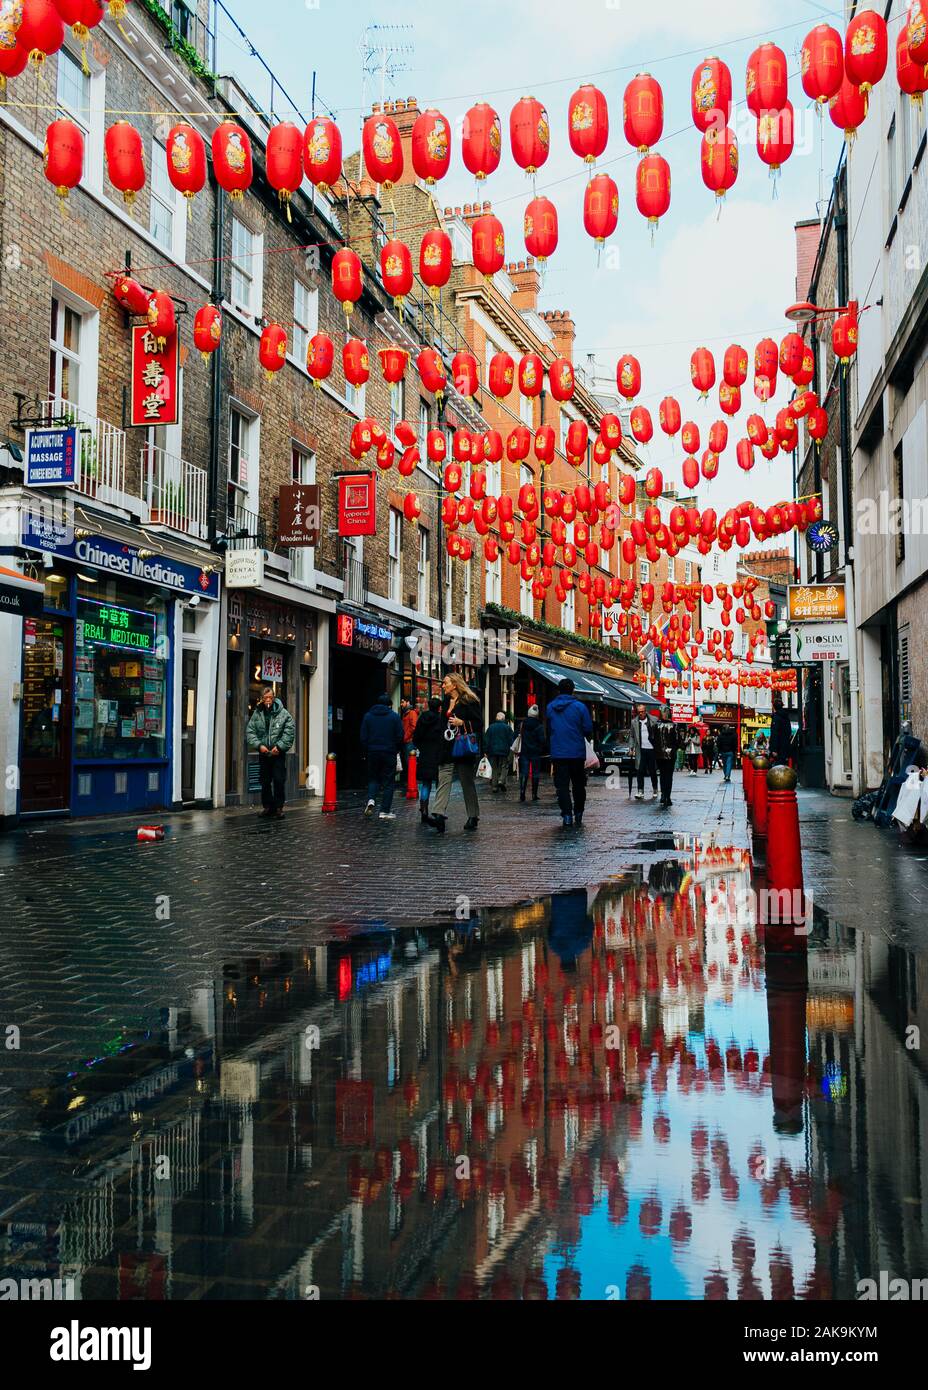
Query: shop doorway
{"points": [[188, 734], [355, 683], [235, 723], [46, 716]]}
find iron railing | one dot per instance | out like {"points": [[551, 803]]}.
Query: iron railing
{"points": [[101, 453], [175, 491]]}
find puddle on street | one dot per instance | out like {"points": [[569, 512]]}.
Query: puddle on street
{"points": [[604, 1094]]}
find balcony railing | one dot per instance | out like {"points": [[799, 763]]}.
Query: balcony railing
{"points": [[174, 490], [101, 451], [356, 577], [245, 530]]}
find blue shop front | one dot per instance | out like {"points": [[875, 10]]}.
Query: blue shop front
{"points": [[102, 694]]}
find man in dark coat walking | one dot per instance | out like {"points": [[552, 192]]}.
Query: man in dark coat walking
{"points": [[381, 740], [781, 733]]}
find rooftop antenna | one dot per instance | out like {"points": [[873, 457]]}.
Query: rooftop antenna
{"points": [[385, 49]]}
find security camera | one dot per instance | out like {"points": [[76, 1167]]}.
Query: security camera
{"points": [[412, 643], [193, 601], [388, 659]]}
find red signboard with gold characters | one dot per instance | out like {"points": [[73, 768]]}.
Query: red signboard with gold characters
{"points": [[154, 379]]}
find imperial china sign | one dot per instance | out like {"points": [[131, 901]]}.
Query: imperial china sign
{"points": [[154, 379], [357, 504]]}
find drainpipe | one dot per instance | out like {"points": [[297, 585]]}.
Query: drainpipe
{"points": [[216, 379], [844, 406]]}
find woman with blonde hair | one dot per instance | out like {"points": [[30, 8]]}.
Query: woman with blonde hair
{"points": [[460, 751]]}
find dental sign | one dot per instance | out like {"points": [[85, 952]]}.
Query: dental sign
{"points": [[123, 561]]}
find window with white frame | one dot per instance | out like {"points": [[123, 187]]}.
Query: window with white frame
{"points": [[527, 410], [65, 343], [422, 572], [247, 269], [494, 478], [395, 559], [303, 557], [355, 397], [891, 172], [526, 599], [565, 426], [569, 611], [688, 572], [644, 572], [397, 405], [671, 569], [492, 350], [241, 438], [73, 91], [424, 427], [494, 580], [163, 199], [305, 320], [468, 576]]}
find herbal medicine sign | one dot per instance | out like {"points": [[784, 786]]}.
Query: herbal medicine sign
{"points": [[154, 387]]}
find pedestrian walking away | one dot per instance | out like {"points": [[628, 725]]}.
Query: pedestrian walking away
{"points": [[270, 733], [693, 750], [643, 749], [533, 748], [429, 738], [781, 733], [569, 727], [728, 747], [497, 744], [666, 738], [708, 752], [382, 742], [460, 751], [410, 717]]}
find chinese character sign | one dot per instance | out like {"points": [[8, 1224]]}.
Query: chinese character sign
{"points": [[154, 378], [811, 603], [357, 504], [272, 667], [299, 515]]}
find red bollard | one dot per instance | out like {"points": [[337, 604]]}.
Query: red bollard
{"points": [[747, 774], [759, 797], [784, 863], [787, 992], [329, 797], [412, 778]]}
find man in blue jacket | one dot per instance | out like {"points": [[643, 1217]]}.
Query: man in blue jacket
{"points": [[381, 740], [569, 726]]}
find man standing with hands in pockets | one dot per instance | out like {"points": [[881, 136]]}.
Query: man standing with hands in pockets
{"points": [[270, 734]]}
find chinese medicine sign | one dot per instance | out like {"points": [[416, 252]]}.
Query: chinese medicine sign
{"points": [[154, 379], [50, 457], [299, 515], [357, 504], [817, 603]]}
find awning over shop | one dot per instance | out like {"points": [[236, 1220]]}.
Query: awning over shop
{"points": [[588, 685], [637, 696]]}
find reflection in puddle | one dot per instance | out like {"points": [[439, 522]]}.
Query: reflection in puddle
{"points": [[605, 1094]]}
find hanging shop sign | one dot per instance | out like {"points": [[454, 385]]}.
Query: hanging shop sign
{"points": [[299, 515], [817, 603], [822, 536], [272, 667], [357, 504], [361, 636], [51, 457], [244, 569], [155, 368], [812, 643], [20, 597], [782, 650], [122, 561]]}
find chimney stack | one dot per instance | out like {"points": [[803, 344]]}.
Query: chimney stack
{"points": [[564, 330], [527, 282]]}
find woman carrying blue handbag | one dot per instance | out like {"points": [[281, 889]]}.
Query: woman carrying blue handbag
{"points": [[460, 752]]}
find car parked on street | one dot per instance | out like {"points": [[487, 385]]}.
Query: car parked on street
{"points": [[615, 753]]}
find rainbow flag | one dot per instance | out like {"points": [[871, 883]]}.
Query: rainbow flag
{"points": [[680, 659]]}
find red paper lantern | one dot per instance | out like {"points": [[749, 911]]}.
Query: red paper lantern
{"points": [[207, 330], [131, 296], [531, 375], [396, 270], [482, 140], [63, 159], [689, 437], [232, 160], [465, 373], [792, 351], [848, 109], [642, 426], [12, 62], [488, 241], [541, 229], [435, 261], [719, 162], [432, 371], [767, 79], [844, 336], [775, 136], [766, 362], [578, 439], [652, 188], [916, 30], [744, 453], [186, 160], [501, 375], [690, 473], [529, 134], [412, 507], [347, 282], [806, 373], [628, 376], [493, 448], [431, 146], [610, 430], [787, 430], [322, 153], [284, 161], [718, 437], [588, 123], [710, 92], [771, 446], [601, 207], [561, 379], [803, 403], [545, 444], [41, 32], [911, 75], [702, 371], [817, 424], [125, 162], [644, 112], [822, 63], [670, 416], [735, 366], [320, 357], [393, 364], [383, 150], [273, 349], [519, 444], [757, 430], [710, 465], [866, 50], [356, 362]]}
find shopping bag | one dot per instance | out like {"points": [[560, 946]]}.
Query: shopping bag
{"points": [[485, 769], [399, 762], [923, 813], [910, 797], [592, 757], [466, 745], [516, 746]]}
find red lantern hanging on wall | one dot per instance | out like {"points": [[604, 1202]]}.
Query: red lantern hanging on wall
{"points": [[719, 161], [628, 376], [130, 294], [561, 379], [822, 64], [848, 110], [186, 160], [393, 364], [702, 371], [63, 158], [162, 316], [322, 153], [383, 150], [41, 32], [488, 241], [844, 335], [431, 146], [767, 79], [465, 373], [207, 330], [601, 207], [588, 123], [356, 362], [125, 162], [435, 261], [866, 50], [284, 161], [652, 188], [541, 229], [775, 136], [529, 134], [669, 416], [912, 77], [347, 281], [644, 112], [396, 270], [232, 159], [273, 349], [481, 141], [710, 95]]}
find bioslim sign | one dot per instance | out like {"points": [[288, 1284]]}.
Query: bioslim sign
{"points": [[125, 560]]}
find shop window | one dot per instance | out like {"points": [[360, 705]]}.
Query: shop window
{"points": [[121, 783], [65, 342], [305, 320], [247, 269], [121, 651]]}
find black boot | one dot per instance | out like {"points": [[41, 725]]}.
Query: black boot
{"points": [[437, 823], [472, 823]]}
